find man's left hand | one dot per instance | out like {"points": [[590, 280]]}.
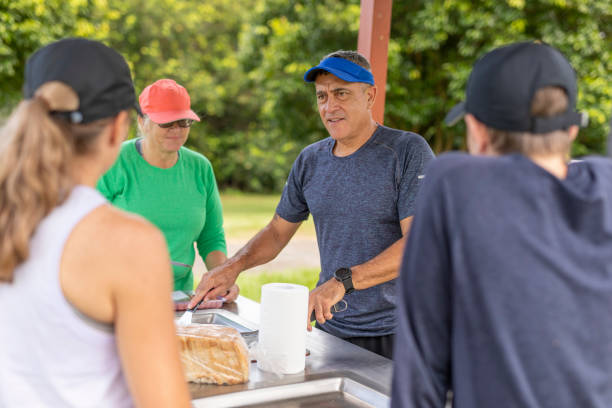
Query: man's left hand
{"points": [[321, 300]]}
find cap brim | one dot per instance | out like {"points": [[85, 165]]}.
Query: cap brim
{"points": [[455, 114], [167, 117], [312, 73], [137, 108]]}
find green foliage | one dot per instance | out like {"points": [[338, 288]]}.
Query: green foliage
{"points": [[25, 25], [429, 63], [242, 62], [281, 40]]}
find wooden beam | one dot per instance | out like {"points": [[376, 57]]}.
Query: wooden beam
{"points": [[373, 42]]}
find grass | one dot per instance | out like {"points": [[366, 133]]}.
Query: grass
{"points": [[250, 284], [245, 214]]}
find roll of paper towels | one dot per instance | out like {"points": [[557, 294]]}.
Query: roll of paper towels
{"points": [[282, 328]]}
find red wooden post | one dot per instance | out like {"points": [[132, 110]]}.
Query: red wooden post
{"points": [[373, 42]]}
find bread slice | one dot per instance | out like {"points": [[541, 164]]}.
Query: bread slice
{"points": [[213, 354]]}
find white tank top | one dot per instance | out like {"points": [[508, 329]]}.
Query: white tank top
{"points": [[49, 355]]}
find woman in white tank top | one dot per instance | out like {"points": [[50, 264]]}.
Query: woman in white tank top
{"points": [[81, 321]]}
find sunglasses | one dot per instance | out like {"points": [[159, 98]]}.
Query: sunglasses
{"points": [[183, 123]]}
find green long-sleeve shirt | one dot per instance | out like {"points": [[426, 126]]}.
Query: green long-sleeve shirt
{"points": [[182, 201]]}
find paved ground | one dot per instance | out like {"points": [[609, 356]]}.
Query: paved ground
{"points": [[301, 252]]}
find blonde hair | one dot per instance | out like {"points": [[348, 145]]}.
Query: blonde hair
{"points": [[36, 151], [548, 101]]}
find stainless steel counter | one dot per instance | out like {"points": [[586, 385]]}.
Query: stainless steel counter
{"points": [[329, 356]]}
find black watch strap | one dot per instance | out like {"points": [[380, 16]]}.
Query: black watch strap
{"points": [[345, 276]]}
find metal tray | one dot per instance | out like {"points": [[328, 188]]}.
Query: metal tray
{"points": [[248, 330], [334, 392], [223, 317]]}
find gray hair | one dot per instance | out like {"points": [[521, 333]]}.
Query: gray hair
{"points": [[352, 56]]}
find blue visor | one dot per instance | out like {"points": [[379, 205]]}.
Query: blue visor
{"points": [[343, 69]]}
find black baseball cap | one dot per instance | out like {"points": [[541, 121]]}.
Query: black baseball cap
{"points": [[502, 85], [98, 74]]}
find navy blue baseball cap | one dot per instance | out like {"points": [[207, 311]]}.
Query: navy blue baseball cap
{"points": [[343, 69], [502, 85]]}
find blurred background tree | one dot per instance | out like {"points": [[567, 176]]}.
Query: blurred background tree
{"points": [[434, 44], [26, 25], [243, 60]]}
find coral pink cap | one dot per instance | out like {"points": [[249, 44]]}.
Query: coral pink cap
{"points": [[165, 101]]}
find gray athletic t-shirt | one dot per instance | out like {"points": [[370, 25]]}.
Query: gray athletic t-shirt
{"points": [[357, 203]]}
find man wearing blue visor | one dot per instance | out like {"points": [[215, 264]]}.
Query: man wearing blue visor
{"points": [[360, 186]]}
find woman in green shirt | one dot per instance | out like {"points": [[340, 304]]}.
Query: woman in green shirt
{"points": [[170, 185]]}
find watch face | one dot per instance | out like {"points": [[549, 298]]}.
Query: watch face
{"points": [[343, 273]]}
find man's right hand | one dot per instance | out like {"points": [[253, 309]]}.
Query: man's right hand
{"points": [[216, 282], [262, 248]]}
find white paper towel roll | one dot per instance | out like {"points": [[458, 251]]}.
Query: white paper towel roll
{"points": [[282, 328]]}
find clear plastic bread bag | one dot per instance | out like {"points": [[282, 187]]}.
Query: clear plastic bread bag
{"points": [[213, 354]]}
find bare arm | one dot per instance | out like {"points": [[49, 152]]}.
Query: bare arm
{"points": [[142, 293], [262, 248], [382, 268], [128, 278]]}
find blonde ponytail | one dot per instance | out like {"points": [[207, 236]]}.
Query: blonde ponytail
{"points": [[36, 152]]}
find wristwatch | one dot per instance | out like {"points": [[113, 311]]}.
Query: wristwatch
{"points": [[345, 276]]}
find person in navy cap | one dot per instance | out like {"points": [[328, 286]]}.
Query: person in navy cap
{"points": [[506, 284], [78, 278], [360, 185]]}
